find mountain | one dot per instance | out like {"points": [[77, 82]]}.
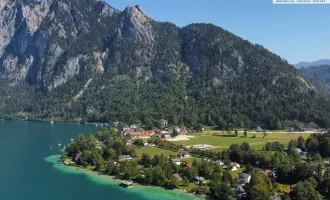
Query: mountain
{"points": [[321, 72], [82, 60], [319, 77], [311, 64]]}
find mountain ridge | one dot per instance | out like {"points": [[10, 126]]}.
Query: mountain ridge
{"points": [[313, 63], [124, 66]]}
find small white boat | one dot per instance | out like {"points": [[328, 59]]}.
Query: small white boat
{"points": [[71, 140], [52, 122], [59, 144], [51, 147]]}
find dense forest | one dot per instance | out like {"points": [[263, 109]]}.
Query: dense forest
{"points": [[90, 62]]}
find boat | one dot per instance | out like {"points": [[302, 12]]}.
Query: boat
{"points": [[59, 144], [71, 140], [52, 122], [126, 184], [51, 147]]}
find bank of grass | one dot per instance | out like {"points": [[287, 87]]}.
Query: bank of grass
{"points": [[152, 151], [223, 141]]}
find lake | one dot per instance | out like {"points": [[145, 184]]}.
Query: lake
{"points": [[29, 167]]}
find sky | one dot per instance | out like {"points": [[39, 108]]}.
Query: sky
{"points": [[294, 32]]}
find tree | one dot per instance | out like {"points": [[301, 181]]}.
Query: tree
{"points": [[245, 147], [139, 142], [226, 177], [189, 172], [145, 160], [222, 191], [185, 181], [174, 133], [302, 171], [301, 142], [158, 176], [293, 144], [304, 191], [236, 133], [245, 133], [265, 133], [312, 144], [260, 187]]}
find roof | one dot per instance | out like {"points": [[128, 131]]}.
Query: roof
{"points": [[149, 133], [234, 164], [259, 129], [199, 178], [177, 176], [184, 153], [245, 175], [266, 172], [175, 160], [189, 164], [239, 189], [125, 157], [135, 133]]}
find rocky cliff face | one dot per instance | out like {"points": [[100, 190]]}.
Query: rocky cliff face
{"points": [[37, 36], [51, 49]]}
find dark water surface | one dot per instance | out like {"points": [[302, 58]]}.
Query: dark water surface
{"points": [[28, 169]]}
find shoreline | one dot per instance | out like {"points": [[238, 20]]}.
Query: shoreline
{"points": [[139, 189]]}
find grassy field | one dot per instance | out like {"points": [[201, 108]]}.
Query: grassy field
{"points": [[257, 143], [152, 151], [234, 174]]}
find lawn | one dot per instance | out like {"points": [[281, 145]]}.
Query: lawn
{"points": [[234, 174], [257, 143], [152, 151]]}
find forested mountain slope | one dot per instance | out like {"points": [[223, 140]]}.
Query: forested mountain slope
{"points": [[84, 60]]}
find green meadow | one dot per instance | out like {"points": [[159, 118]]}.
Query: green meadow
{"points": [[223, 141]]}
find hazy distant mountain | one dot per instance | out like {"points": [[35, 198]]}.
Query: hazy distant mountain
{"points": [[311, 64], [79, 60], [321, 72]]}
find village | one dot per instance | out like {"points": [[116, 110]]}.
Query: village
{"points": [[191, 164]]}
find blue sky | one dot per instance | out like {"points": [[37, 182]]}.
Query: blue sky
{"points": [[295, 32]]}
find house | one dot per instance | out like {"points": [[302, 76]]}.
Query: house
{"points": [[309, 129], [299, 150], [149, 133], [184, 154], [259, 129], [239, 192], [274, 197], [199, 180], [219, 163], [315, 166], [233, 166], [125, 128], [183, 132], [125, 157], [244, 177], [99, 144], [205, 160], [177, 176], [290, 129], [176, 161], [303, 155], [135, 134], [163, 122]]}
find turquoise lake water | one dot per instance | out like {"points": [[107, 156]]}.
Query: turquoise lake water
{"points": [[29, 168]]}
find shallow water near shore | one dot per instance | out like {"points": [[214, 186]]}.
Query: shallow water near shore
{"points": [[29, 168]]}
